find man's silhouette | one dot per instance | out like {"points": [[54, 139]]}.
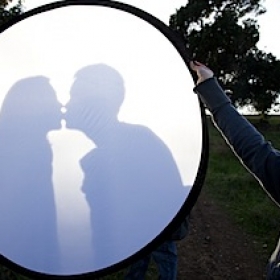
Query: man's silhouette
{"points": [[131, 182]]}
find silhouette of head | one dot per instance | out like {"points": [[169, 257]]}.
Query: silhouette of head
{"points": [[96, 96], [31, 104]]}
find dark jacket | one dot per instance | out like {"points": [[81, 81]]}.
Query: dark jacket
{"points": [[260, 158]]}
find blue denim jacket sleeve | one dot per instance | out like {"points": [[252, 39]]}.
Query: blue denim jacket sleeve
{"points": [[248, 144], [260, 158]]}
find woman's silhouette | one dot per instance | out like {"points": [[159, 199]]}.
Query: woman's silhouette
{"points": [[28, 233]]}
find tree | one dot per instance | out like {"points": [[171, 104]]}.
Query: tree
{"points": [[8, 10], [258, 82], [224, 34], [5, 2]]}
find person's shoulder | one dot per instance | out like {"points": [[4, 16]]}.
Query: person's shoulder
{"points": [[137, 130], [88, 159]]}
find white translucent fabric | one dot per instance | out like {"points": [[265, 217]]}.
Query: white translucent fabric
{"points": [[100, 138]]}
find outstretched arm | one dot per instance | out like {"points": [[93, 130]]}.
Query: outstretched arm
{"points": [[250, 146]]}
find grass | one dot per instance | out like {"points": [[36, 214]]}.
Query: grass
{"points": [[7, 274], [234, 189]]}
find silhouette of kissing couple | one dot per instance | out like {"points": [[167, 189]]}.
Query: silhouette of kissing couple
{"points": [[131, 181]]}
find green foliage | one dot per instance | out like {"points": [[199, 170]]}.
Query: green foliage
{"points": [[5, 2], [223, 34], [9, 9], [258, 82]]}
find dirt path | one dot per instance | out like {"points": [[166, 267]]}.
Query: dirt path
{"points": [[216, 248]]}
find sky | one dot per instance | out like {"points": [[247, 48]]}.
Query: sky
{"points": [[269, 22], [269, 26]]}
